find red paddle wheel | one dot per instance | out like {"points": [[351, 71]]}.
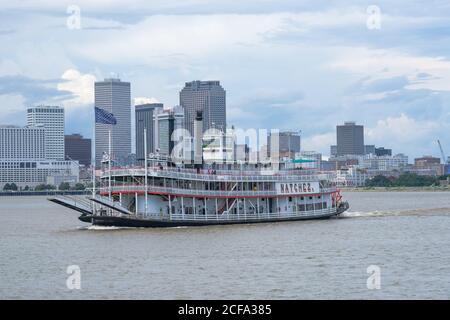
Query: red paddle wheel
{"points": [[336, 197]]}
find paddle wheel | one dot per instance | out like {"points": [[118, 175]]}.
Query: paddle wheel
{"points": [[336, 198]]}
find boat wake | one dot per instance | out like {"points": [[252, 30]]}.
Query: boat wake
{"points": [[100, 228], [410, 212]]}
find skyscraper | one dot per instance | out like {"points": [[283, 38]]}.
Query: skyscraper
{"points": [[350, 139], [166, 122], [113, 96], [144, 119], [52, 119], [78, 148], [208, 97]]}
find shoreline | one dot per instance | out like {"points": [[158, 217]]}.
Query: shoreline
{"points": [[395, 189], [41, 193]]}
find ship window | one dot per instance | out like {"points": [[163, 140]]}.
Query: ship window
{"points": [[310, 198], [290, 199]]}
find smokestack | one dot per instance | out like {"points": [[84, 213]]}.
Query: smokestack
{"points": [[198, 137]]}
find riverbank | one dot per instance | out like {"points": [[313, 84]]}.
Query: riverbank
{"points": [[42, 193], [396, 189]]}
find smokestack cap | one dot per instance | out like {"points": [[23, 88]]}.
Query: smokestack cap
{"points": [[199, 115]]}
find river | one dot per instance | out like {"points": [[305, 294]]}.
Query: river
{"points": [[405, 236]]}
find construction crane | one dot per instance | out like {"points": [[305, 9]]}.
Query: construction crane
{"points": [[444, 159]]}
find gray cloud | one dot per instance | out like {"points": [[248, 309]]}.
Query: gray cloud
{"points": [[33, 90]]}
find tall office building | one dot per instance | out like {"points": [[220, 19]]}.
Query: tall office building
{"points": [[22, 142], [52, 119], [114, 96], [166, 122], [289, 143], [144, 120], [350, 139], [78, 148], [208, 97]]}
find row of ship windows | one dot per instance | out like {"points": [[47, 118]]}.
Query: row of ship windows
{"points": [[250, 210]]}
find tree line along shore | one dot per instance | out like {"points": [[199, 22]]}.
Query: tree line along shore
{"points": [[405, 182]]}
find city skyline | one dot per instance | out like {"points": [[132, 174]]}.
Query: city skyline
{"points": [[278, 64], [158, 108]]}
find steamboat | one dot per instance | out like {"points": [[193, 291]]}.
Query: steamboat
{"points": [[165, 194]]}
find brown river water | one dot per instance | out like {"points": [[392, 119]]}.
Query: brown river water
{"points": [[405, 234]]}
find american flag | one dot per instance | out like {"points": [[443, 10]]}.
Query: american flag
{"points": [[102, 116]]}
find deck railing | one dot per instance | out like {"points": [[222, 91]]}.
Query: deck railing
{"points": [[202, 192], [225, 175], [233, 216]]}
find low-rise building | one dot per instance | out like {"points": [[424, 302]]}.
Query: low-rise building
{"points": [[352, 177], [384, 163], [426, 161], [34, 172]]}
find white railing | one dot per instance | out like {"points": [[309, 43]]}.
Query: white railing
{"points": [[75, 201], [231, 175], [202, 192], [235, 217]]}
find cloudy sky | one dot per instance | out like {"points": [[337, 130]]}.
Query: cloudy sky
{"points": [[287, 64]]}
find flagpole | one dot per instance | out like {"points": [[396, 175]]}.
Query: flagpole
{"points": [[145, 164], [93, 169], [109, 161]]}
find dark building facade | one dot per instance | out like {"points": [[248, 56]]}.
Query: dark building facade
{"points": [[144, 119], [369, 149], [208, 97], [166, 122], [77, 148], [381, 151], [350, 139], [333, 150], [289, 143]]}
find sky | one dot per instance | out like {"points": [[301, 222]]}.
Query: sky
{"points": [[285, 64]]}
